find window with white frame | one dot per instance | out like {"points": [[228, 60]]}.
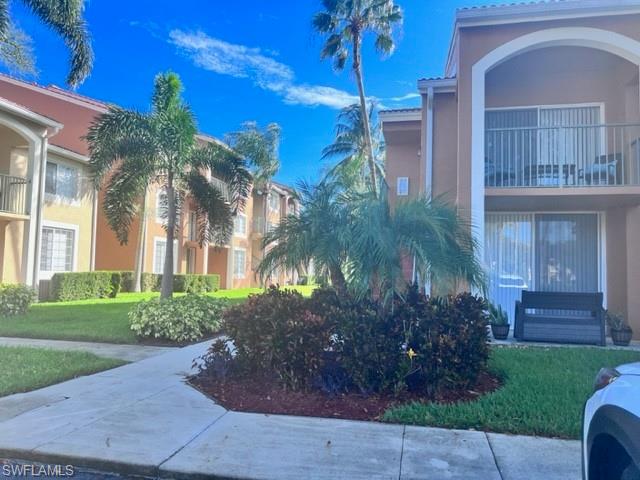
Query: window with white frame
{"points": [[57, 249], [159, 252], [61, 181], [403, 186], [161, 207], [240, 225], [274, 202], [239, 262]]}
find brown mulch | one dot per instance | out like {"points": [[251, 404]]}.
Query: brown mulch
{"points": [[260, 395]]}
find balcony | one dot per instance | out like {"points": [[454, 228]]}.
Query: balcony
{"points": [[261, 226], [13, 195], [563, 156]]}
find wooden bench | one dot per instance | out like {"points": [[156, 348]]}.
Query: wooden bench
{"points": [[563, 317]]}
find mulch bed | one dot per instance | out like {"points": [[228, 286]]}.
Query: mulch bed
{"points": [[260, 395]]}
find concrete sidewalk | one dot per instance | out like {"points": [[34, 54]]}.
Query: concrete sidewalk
{"points": [[142, 419], [128, 353]]}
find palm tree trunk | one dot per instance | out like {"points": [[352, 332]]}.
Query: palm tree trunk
{"points": [[357, 70], [142, 238], [338, 281], [166, 287]]}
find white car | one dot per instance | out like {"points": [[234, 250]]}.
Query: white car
{"points": [[611, 426]]}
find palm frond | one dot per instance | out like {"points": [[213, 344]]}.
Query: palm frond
{"points": [[65, 18], [215, 217]]}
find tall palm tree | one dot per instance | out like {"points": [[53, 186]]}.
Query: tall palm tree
{"points": [[361, 242], [64, 17], [346, 22], [350, 149], [130, 151]]}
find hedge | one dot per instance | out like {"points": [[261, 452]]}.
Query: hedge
{"points": [[81, 285], [84, 285]]}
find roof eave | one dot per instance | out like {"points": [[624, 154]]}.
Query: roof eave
{"points": [[439, 85]]}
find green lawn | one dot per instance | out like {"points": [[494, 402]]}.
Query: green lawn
{"points": [[24, 368], [98, 320], [543, 393]]}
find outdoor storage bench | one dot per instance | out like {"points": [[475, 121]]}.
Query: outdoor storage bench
{"points": [[563, 317]]}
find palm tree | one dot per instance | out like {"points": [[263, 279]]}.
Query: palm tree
{"points": [[360, 242], [350, 149], [65, 18], [130, 151], [318, 233], [346, 22], [260, 148]]}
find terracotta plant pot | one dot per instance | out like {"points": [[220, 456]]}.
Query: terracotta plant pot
{"points": [[621, 338], [500, 332]]}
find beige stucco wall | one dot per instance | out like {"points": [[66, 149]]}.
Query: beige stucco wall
{"points": [[77, 213], [445, 139]]}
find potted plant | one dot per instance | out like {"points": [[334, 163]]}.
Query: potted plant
{"points": [[621, 332], [499, 322]]}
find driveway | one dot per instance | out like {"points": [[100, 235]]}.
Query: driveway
{"points": [[143, 419]]}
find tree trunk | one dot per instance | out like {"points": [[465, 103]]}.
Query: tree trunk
{"points": [[357, 69], [166, 288], [338, 281], [140, 247]]}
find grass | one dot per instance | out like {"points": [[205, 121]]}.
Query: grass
{"points": [[95, 320], [543, 393], [23, 368]]}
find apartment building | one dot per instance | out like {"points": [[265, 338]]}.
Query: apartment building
{"points": [[51, 218], [534, 132]]}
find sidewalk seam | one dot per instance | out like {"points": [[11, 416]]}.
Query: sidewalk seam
{"points": [[158, 468], [404, 431], [495, 460]]}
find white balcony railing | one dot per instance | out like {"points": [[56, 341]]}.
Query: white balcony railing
{"points": [[571, 156], [13, 194]]}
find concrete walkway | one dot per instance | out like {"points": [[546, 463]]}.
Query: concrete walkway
{"points": [[142, 419], [128, 353]]}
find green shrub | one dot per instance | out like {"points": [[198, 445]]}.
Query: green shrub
{"points": [[189, 283], [276, 332], [178, 319], [446, 340], [81, 285], [367, 345], [15, 299], [423, 344]]}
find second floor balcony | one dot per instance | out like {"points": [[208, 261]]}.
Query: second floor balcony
{"points": [[563, 156], [13, 195]]}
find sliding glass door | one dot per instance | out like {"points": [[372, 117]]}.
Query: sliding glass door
{"points": [[544, 252]]}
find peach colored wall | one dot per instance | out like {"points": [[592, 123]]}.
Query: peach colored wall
{"points": [[566, 75], [616, 251], [633, 269], [218, 264], [3, 226], [445, 135], [402, 143], [475, 42]]}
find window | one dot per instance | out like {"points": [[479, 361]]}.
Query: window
{"points": [[159, 252], [61, 181], [557, 252], [57, 249], [161, 207], [193, 227], [239, 262], [191, 260], [403, 186], [274, 202], [240, 225]]}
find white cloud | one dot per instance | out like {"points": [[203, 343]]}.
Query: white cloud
{"points": [[403, 98], [257, 65]]}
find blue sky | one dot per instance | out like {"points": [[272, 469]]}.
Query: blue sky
{"points": [[246, 60]]}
